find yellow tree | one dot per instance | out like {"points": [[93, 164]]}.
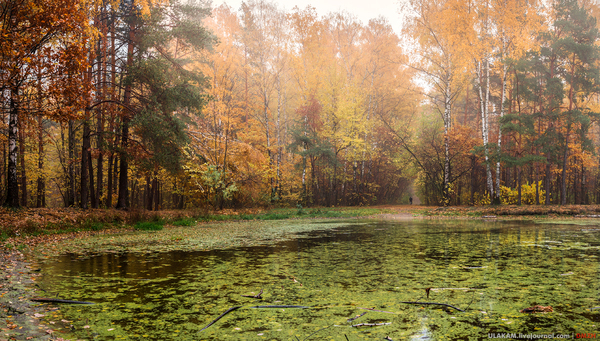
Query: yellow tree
{"points": [[439, 30], [220, 159]]}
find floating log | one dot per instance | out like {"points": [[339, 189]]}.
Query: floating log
{"points": [[58, 300], [371, 324], [220, 316], [432, 303]]}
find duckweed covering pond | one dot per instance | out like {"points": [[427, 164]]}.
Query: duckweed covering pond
{"points": [[492, 270]]}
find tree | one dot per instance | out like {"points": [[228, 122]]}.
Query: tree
{"points": [[41, 41], [441, 31]]}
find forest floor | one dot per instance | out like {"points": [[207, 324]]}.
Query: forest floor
{"points": [[21, 231]]}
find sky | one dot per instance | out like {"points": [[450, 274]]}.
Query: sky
{"points": [[362, 9]]}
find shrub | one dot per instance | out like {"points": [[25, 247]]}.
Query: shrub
{"points": [[509, 196]]}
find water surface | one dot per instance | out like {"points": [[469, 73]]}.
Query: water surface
{"points": [[489, 269]]}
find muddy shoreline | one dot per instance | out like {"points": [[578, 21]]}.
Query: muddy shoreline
{"points": [[19, 317]]}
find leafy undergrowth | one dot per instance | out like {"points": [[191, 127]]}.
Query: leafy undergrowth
{"points": [[18, 226]]}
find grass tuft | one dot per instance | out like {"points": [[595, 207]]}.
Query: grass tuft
{"points": [[149, 225]]}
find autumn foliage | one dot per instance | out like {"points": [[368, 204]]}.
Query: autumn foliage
{"points": [[167, 104]]}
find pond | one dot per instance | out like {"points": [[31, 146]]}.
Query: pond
{"points": [[489, 269]]}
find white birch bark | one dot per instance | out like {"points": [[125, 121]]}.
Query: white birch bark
{"points": [[502, 99], [484, 101]]}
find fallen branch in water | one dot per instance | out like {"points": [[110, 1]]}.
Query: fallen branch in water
{"points": [[58, 300], [355, 317], [381, 311], [293, 278], [259, 296], [370, 324], [220, 316], [388, 338], [315, 333], [432, 303]]}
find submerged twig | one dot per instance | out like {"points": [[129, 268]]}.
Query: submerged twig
{"points": [[280, 306], [59, 300], [220, 316], [433, 303], [315, 333], [294, 279], [356, 317], [472, 299], [381, 311], [370, 324], [259, 296]]}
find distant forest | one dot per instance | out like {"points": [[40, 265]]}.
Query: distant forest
{"points": [[160, 104]]}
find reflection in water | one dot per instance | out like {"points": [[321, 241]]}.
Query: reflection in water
{"points": [[490, 269]]}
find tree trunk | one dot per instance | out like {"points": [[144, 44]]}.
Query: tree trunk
{"points": [[85, 146], [447, 126], [563, 174], [503, 97], [583, 194], [123, 199], [12, 184], [41, 181], [23, 177], [484, 104], [547, 180], [537, 184], [71, 167], [156, 193], [519, 201]]}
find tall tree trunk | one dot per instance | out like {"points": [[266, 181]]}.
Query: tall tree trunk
{"points": [[123, 199], [148, 195], [12, 184], [23, 177], [85, 175], [484, 107], [519, 202], [503, 97], [156, 193], [71, 166], [563, 183], [547, 180], [447, 126], [111, 129], [584, 200], [41, 181]]}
